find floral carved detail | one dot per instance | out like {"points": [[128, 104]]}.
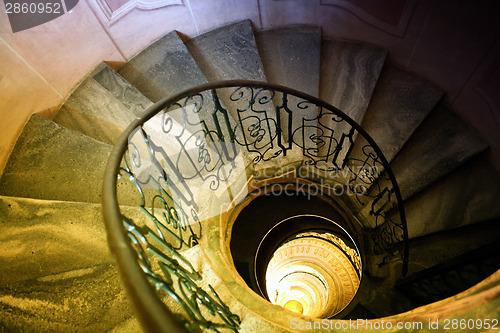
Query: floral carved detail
{"points": [[114, 10]]}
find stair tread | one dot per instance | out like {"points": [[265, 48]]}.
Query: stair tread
{"points": [[440, 145], [291, 56], [228, 53], [50, 161], [231, 53], [467, 195], [85, 300], [163, 68], [41, 237], [453, 276], [400, 103], [349, 73], [102, 106], [441, 247]]}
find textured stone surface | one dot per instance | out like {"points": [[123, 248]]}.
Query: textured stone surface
{"points": [[166, 67], [84, 300], [89, 125], [102, 106], [291, 57], [52, 162], [468, 195], [163, 68], [228, 53], [440, 144], [438, 248], [349, 73], [41, 237], [133, 100], [400, 103]]}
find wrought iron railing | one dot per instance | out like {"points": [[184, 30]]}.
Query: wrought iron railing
{"points": [[194, 151]]}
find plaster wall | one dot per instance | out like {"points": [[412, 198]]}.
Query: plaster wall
{"points": [[455, 44]]}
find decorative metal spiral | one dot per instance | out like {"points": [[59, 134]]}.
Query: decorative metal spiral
{"points": [[190, 144]]}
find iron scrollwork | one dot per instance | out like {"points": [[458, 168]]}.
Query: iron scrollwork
{"points": [[190, 144]]}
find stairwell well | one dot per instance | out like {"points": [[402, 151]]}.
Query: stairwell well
{"points": [[58, 275]]}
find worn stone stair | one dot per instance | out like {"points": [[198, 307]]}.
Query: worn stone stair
{"points": [[102, 106], [163, 68], [52, 162], [291, 57], [231, 53], [44, 237], [89, 299], [228, 53], [442, 143], [400, 103], [59, 275], [349, 74], [466, 196]]}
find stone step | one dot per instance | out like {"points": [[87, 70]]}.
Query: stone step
{"points": [[439, 145], [467, 195], [427, 251], [163, 68], [42, 237], [52, 162], [400, 103], [453, 276], [291, 57], [102, 106], [441, 247], [89, 299], [349, 73], [231, 53], [228, 53]]}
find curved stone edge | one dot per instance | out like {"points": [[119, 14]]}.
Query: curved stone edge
{"points": [[479, 302]]}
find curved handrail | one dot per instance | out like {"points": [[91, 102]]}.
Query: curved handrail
{"points": [[120, 232]]}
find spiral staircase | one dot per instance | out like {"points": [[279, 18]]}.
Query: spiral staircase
{"points": [[58, 274]]}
